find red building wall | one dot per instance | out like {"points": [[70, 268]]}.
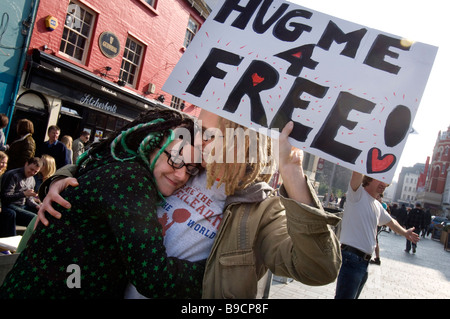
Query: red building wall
{"points": [[440, 163], [161, 30]]}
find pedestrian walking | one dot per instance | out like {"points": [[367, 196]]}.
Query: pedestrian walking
{"points": [[416, 219], [426, 230], [401, 215]]}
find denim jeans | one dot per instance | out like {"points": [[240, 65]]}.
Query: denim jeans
{"points": [[13, 215], [352, 276], [408, 243]]}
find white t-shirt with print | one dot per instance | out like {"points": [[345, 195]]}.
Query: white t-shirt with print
{"points": [[190, 218]]}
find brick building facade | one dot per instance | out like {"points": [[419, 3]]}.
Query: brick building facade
{"points": [[95, 65], [440, 163]]}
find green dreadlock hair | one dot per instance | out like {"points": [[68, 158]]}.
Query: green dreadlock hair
{"points": [[139, 138], [149, 143]]}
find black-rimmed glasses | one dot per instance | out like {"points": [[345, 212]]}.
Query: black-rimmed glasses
{"points": [[176, 161]]}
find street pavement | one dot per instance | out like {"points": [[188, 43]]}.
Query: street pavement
{"points": [[423, 275]]}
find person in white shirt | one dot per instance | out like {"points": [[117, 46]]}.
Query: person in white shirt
{"points": [[362, 214]]}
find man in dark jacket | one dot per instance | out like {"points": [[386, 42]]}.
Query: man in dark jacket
{"points": [[426, 230], [401, 215], [416, 219], [56, 148], [18, 197]]}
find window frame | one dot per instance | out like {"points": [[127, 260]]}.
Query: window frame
{"points": [[79, 34], [151, 3], [137, 66], [190, 34], [176, 102], [152, 7]]}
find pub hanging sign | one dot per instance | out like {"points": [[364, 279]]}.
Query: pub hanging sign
{"points": [[109, 44]]}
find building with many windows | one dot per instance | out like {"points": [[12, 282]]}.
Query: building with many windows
{"points": [[95, 65], [406, 190], [409, 192]]}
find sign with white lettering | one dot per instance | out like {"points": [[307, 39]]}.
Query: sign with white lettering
{"points": [[351, 91], [96, 102]]}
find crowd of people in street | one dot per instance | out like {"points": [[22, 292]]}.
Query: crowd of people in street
{"points": [[177, 226], [24, 166]]}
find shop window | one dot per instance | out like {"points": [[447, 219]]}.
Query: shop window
{"points": [[177, 103], [111, 125], [101, 120], [102, 125], [121, 123], [91, 118], [77, 32], [191, 30], [131, 62], [70, 111]]}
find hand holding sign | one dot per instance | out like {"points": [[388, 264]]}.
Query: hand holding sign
{"points": [[351, 91]]}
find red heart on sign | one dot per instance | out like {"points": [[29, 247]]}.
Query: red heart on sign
{"points": [[376, 163], [256, 79]]}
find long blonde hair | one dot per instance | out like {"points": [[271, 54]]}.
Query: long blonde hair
{"points": [[3, 155], [238, 174], [48, 167], [67, 140]]}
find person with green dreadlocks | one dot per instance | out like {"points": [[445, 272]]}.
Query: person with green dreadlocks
{"points": [[112, 235]]}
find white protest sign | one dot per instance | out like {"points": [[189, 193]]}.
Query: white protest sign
{"points": [[352, 91]]}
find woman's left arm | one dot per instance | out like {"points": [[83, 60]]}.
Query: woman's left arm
{"points": [[296, 238]]}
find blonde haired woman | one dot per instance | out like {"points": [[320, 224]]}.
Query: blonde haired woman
{"points": [[67, 141], [3, 162], [47, 170]]}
